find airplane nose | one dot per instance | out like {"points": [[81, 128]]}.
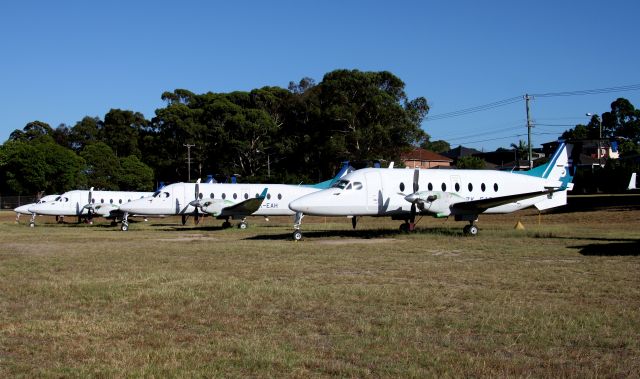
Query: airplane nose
{"points": [[299, 205]]}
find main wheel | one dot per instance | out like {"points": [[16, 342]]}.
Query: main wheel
{"points": [[31, 225], [297, 235], [242, 225], [124, 227], [473, 230], [226, 225], [404, 227]]}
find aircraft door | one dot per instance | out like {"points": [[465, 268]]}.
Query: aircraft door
{"points": [[374, 191]]}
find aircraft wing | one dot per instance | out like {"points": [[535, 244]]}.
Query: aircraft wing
{"points": [[484, 204], [244, 208]]}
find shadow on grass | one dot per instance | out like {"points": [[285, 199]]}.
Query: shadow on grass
{"points": [[614, 249], [363, 234]]}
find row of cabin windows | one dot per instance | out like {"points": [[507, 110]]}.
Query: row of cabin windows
{"points": [[93, 201], [235, 196], [483, 187]]}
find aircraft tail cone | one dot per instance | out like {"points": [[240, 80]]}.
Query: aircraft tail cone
{"points": [[519, 226]]}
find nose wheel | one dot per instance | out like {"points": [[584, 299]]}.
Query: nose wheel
{"points": [[470, 230], [297, 235]]}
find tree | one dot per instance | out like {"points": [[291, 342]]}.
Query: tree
{"points": [[438, 146], [470, 162], [85, 132], [521, 149], [102, 166], [121, 131], [134, 175]]}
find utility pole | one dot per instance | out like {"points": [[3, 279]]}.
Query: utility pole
{"points": [[529, 126], [188, 158]]}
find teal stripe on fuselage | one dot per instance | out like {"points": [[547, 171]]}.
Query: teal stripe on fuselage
{"points": [[544, 170]]}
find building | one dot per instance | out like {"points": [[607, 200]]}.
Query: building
{"points": [[421, 158]]}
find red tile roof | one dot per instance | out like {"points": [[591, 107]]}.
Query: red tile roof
{"points": [[424, 155]]}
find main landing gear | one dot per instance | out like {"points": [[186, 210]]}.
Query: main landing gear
{"points": [[297, 222], [470, 230], [125, 222], [32, 222], [407, 226], [243, 224]]}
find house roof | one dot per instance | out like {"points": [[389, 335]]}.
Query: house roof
{"points": [[460, 151], [424, 155]]}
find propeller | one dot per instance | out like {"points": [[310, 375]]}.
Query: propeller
{"points": [[196, 203], [90, 207], [416, 187]]}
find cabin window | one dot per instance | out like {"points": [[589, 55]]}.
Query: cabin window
{"points": [[280, 195], [268, 196], [470, 187], [444, 187], [101, 201], [257, 195], [211, 195], [129, 200], [457, 186], [224, 196], [495, 187], [235, 196], [246, 196], [93, 201], [401, 187], [483, 187], [110, 201], [200, 196], [430, 187], [357, 185]]}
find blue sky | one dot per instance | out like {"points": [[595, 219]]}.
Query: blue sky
{"points": [[65, 60]]}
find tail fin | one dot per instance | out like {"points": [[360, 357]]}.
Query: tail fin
{"points": [[560, 168], [632, 182], [346, 168]]}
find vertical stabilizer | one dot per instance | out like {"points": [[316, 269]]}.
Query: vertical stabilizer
{"points": [[632, 183]]}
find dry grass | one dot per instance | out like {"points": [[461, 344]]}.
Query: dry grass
{"points": [[560, 299]]}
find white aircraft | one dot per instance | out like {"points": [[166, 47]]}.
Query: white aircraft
{"points": [[464, 194], [223, 200], [24, 209], [87, 204]]}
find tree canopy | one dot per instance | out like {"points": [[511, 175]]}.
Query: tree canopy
{"points": [[298, 134]]}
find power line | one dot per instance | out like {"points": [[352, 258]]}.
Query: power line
{"points": [[630, 87], [479, 108], [517, 99]]}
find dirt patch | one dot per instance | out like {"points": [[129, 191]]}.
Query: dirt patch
{"points": [[350, 241]]}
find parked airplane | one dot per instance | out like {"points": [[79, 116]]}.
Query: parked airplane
{"points": [[87, 204], [463, 194], [224, 200], [24, 209]]}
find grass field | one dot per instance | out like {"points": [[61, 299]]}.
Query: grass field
{"points": [[558, 299]]}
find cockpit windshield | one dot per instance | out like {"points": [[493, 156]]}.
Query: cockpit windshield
{"points": [[157, 193], [342, 184]]}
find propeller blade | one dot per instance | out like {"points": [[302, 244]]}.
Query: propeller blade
{"points": [[416, 176]]}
